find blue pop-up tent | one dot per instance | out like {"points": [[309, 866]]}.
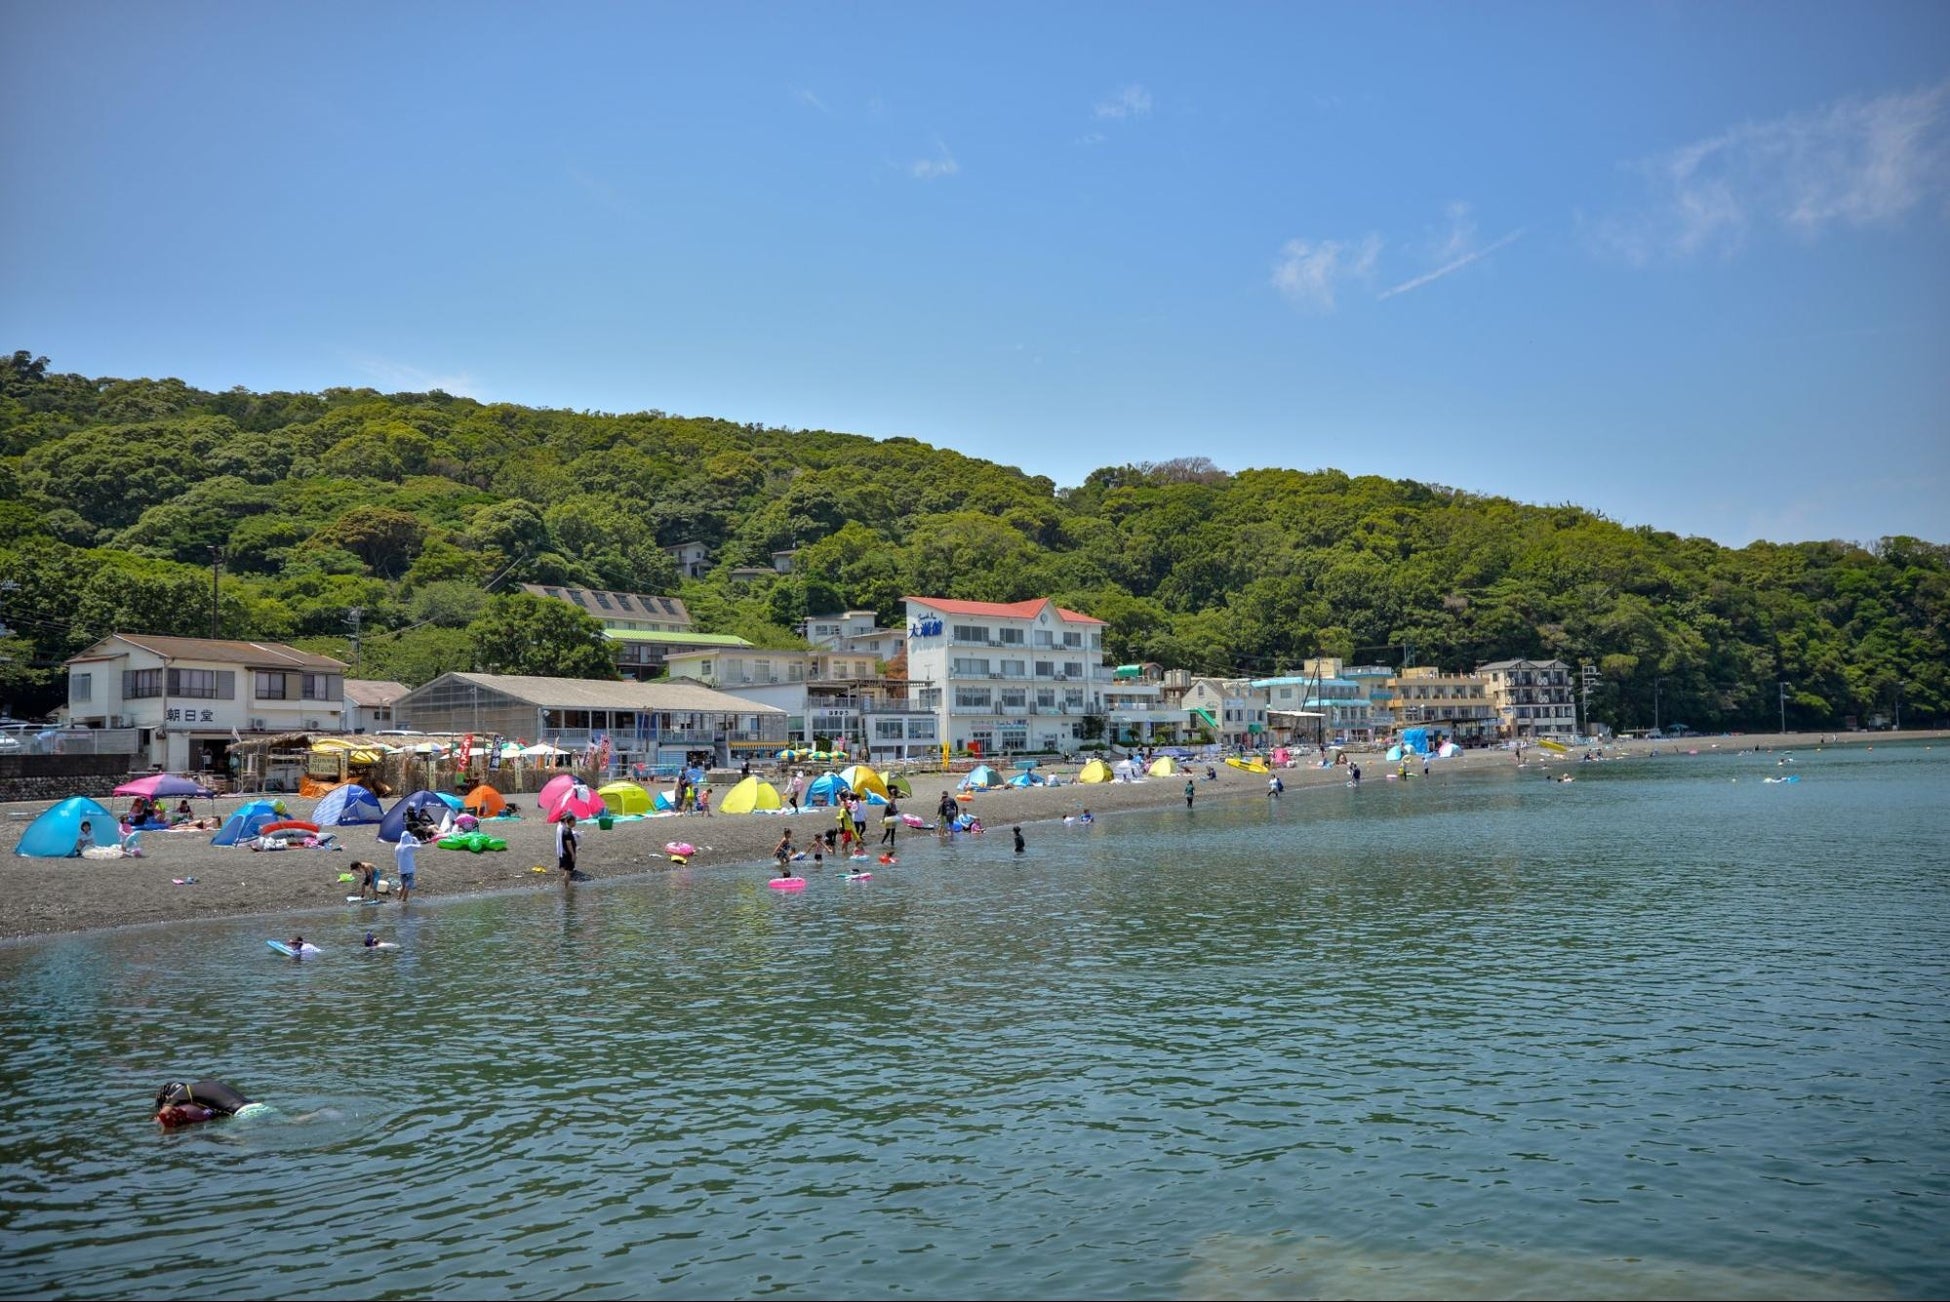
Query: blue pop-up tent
{"points": [[1416, 740], [243, 824], [347, 805], [395, 820], [826, 789], [53, 834]]}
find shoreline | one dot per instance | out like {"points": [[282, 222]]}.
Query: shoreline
{"points": [[66, 896]]}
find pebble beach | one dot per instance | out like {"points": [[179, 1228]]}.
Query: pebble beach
{"points": [[64, 895]]}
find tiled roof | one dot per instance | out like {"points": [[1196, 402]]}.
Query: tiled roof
{"points": [[374, 691], [1003, 609], [258, 655]]}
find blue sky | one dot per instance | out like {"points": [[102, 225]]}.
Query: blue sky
{"points": [[1684, 264]]}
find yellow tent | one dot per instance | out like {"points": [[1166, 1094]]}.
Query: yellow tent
{"points": [[864, 781], [625, 798], [1250, 765], [1095, 771], [1554, 747], [749, 797], [1163, 767]]}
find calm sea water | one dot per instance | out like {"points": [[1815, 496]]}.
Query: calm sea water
{"points": [[1657, 1032]]}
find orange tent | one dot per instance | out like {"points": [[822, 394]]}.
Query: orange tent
{"points": [[483, 802]]}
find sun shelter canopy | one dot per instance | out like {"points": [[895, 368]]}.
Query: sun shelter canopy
{"points": [[394, 822], [578, 800], [244, 821], [981, 778], [484, 802], [160, 786], [345, 806], [826, 789], [864, 781], [1163, 767], [54, 833], [625, 798], [1095, 771], [752, 796]]}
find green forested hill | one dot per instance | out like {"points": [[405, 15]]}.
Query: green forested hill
{"points": [[408, 506]]}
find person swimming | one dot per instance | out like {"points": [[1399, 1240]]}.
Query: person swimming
{"points": [[180, 1104]]}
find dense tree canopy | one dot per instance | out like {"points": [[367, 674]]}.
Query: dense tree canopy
{"points": [[414, 507]]}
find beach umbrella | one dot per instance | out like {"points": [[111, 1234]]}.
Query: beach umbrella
{"points": [[753, 795], [158, 786], [552, 790]]}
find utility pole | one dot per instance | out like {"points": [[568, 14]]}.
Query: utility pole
{"points": [[352, 617], [1783, 694], [1587, 674], [216, 569], [1657, 685]]}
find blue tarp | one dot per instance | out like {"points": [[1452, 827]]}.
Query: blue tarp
{"points": [[395, 820], [1417, 740], [346, 805], [243, 825], [53, 834]]}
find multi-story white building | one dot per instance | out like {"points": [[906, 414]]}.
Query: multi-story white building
{"points": [[1456, 704], [188, 698], [1004, 677], [826, 695], [1136, 709], [1532, 698]]}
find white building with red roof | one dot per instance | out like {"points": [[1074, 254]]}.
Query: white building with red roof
{"points": [[1006, 677]]}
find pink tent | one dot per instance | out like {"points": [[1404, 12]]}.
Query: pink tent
{"points": [[552, 790], [161, 785], [577, 799]]}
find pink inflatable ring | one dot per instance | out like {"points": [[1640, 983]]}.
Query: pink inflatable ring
{"points": [[684, 848], [787, 883]]}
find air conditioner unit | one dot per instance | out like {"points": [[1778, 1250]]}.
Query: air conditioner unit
{"points": [[311, 723], [257, 725]]}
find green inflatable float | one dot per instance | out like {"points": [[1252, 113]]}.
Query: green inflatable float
{"points": [[474, 842]]}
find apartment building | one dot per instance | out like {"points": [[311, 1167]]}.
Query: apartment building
{"points": [[825, 693], [1532, 698], [1457, 705], [1006, 677]]}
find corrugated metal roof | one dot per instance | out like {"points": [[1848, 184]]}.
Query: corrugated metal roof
{"points": [[663, 694]]}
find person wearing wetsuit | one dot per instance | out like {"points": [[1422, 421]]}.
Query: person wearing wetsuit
{"points": [[178, 1104]]}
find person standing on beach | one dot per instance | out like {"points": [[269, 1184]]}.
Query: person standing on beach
{"points": [[566, 843], [795, 788], [404, 855], [890, 821], [1191, 791]]}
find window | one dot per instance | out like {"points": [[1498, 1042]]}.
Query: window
{"points": [[1009, 636], [323, 687], [969, 666], [1014, 697], [1045, 669], [1074, 668], [971, 633], [80, 686], [762, 671], [1015, 669], [972, 698], [203, 684], [1042, 637], [1046, 697], [602, 599], [795, 672], [887, 729], [921, 730], [267, 686], [1072, 639], [140, 683]]}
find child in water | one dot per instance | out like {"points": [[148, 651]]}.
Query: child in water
{"points": [[1021, 845]]}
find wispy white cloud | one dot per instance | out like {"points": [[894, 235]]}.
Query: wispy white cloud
{"points": [[1457, 252], [398, 377], [1133, 101], [1308, 272], [1856, 162], [811, 100], [933, 169], [1091, 138]]}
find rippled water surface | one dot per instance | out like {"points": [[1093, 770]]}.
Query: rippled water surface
{"points": [[1657, 1032]]}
